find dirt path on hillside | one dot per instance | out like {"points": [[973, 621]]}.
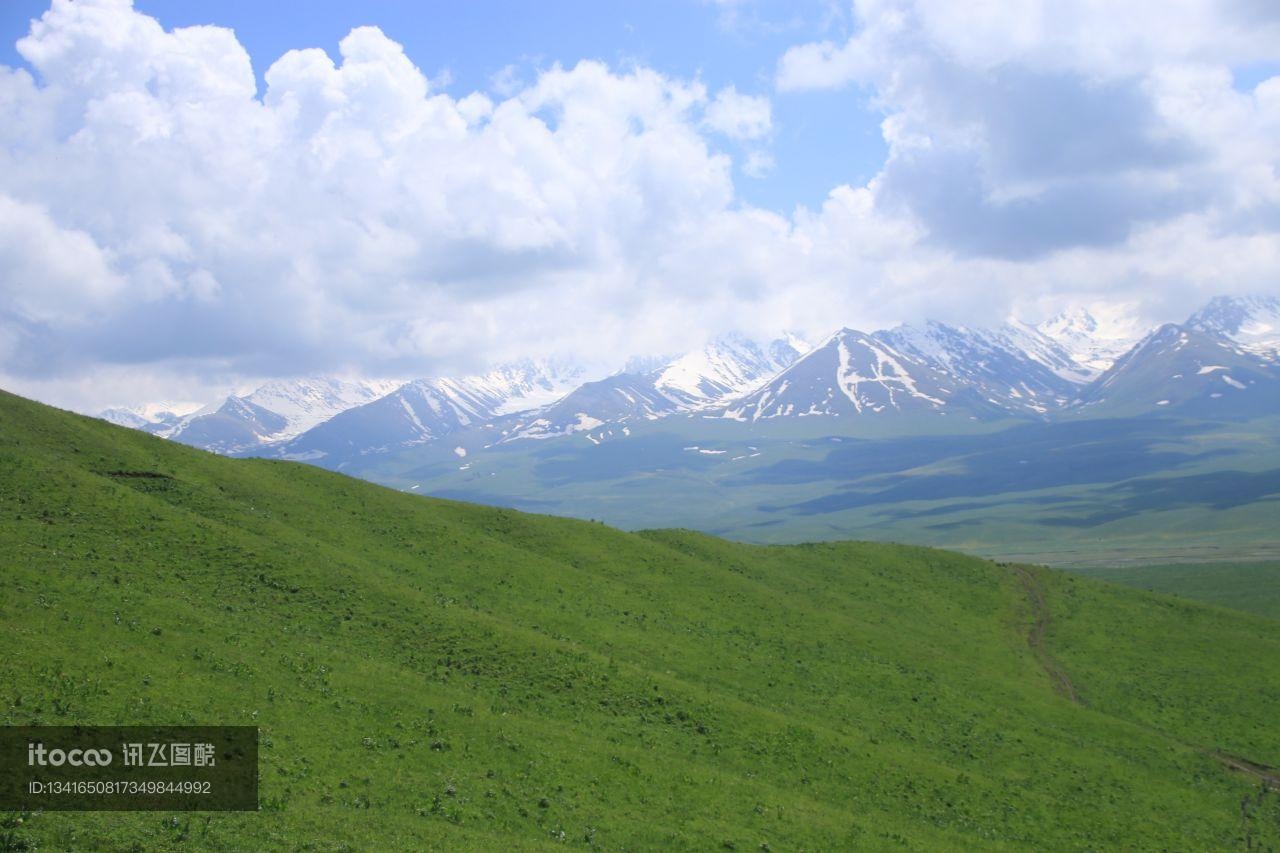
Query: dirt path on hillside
{"points": [[1040, 619], [1269, 775]]}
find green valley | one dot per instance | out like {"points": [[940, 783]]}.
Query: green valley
{"points": [[1081, 492]]}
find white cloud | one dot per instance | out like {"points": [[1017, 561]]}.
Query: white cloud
{"points": [[1019, 131], [1094, 37], [739, 116], [821, 65], [352, 216], [50, 273]]}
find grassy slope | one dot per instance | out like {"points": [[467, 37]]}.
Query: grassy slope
{"points": [[432, 673], [1253, 587]]}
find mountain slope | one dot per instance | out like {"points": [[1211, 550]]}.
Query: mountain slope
{"points": [[700, 380], [155, 418], [234, 426], [726, 367], [1192, 372], [1013, 367], [427, 409], [273, 412], [1094, 339], [1252, 322], [855, 374], [614, 400], [303, 403], [432, 674]]}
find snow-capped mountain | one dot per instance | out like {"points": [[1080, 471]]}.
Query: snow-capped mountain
{"points": [[273, 412], [1187, 370], [151, 417], [235, 426], [1252, 322], [1225, 359], [851, 373], [426, 409], [303, 403], [930, 368], [1094, 337], [727, 367], [614, 400], [1013, 367]]}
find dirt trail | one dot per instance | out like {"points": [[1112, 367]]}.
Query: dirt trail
{"points": [[1040, 619], [1269, 775]]}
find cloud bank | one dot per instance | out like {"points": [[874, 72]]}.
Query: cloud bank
{"points": [[164, 226]]}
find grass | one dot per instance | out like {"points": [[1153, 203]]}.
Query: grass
{"points": [[431, 674], [1253, 587]]}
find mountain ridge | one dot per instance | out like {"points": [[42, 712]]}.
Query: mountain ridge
{"points": [[930, 370]]}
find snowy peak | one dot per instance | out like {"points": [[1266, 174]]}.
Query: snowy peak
{"points": [[873, 375], [303, 403], [1013, 366], [616, 399], [851, 373], [1193, 371], [125, 417], [520, 386], [237, 425], [427, 409], [1024, 338], [727, 367], [1096, 336], [1100, 358], [525, 384], [151, 417], [273, 412], [1253, 322]]}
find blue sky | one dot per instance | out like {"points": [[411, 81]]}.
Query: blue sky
{"points": [[821, 138], [200, 195]]}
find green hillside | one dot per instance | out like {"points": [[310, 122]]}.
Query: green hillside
{"points": [[1252, 586], [428, 673]]}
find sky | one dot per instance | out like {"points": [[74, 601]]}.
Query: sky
{"points": [[196, 196]]}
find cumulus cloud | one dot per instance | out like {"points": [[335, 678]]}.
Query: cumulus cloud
{"points": [[351, 217], [163, 228], [739, 116], [1020, 131]]}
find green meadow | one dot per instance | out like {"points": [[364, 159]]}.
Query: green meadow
{"points": [[1251, 586], [435, 674]]}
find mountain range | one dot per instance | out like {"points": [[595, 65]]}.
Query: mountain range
{"points": [[1225, 359]]}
